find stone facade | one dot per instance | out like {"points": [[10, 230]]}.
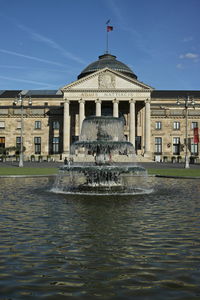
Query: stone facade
{"points": [[153, 121], [168, 122]]}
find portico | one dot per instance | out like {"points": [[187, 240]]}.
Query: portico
{"points": [[132, 104]]}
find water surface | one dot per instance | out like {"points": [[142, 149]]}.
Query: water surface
{"points": [[56, 246]]}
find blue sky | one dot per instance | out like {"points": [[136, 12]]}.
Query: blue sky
{"points": [[45, 44]]}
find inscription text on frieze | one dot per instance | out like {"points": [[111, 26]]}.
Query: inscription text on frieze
{"points": [[112, 94]]}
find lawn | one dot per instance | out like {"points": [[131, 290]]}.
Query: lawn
{"points": [[27, 171], [50, 171], [175, 172]]}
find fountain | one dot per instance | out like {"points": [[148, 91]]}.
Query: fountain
{"points": [[103, 139]]}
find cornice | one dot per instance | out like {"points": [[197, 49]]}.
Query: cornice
{"points": [[132, 80], [108, 91]]}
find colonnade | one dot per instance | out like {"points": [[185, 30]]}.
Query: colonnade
{"points": [[98, 102]]}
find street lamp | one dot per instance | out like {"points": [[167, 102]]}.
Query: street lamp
{"points": [[186, 102], [20, 100]]}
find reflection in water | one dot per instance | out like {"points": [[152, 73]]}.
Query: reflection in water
{"points": [[85, 247]]}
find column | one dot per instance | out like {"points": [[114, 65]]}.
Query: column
{"points": [[132, 122], [66, 128], [98, 107], [81, 114], [147, 141], [116, 108]]}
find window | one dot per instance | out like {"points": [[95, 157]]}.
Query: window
{"points": [[37, 124], [158, 125], [18, 142], [2, 125], [194, 125], [2, 142], [37, 143], [56, 125], [138, 143], [176, 145], [56, 145], [194, 149], [158, 145], [19, 124], [176, 125]]}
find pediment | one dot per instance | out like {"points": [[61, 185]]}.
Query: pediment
{"points": [[106, 79]]}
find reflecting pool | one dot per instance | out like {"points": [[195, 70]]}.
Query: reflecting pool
{"points": [[56, 246]]}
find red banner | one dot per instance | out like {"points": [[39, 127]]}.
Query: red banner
{"points": [[196, 135]]}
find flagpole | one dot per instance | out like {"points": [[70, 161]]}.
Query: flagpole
{"points": [[106, 41], [107, 36]]}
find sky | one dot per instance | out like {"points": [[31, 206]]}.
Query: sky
{"points": [[45, 44]]}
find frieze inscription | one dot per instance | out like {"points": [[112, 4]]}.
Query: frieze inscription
{"points": [[113, 94]]}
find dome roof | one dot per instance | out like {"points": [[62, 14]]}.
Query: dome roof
{"points": [[109, 61]]}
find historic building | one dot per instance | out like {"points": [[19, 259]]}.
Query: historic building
{"points": [[50, 120]]}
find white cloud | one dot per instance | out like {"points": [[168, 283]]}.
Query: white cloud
{"points": [[13, 67], [67, 71], [179, 66], [187, 39], [116, 11], [40, 38], [26, 81], [30, 57], [189, 55], [123, 24]]}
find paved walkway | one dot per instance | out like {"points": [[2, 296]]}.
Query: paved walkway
{"points": [[155, 165], [158, 165]]}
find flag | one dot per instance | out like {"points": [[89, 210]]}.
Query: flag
{"points": [[196, 135], [109, 28]]}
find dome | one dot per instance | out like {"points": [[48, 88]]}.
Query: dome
{"points": [[109, 61]]}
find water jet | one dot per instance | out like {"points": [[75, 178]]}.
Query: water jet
{"points": [[103, 139]]}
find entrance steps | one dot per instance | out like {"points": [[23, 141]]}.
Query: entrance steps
{"points": [[141, 158], [115, 158]]}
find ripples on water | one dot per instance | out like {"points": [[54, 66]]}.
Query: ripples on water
{"points": [[85, 247]]}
